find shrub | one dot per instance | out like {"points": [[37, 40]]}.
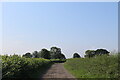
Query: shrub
{"points": [[16, 66], [76, 55]]}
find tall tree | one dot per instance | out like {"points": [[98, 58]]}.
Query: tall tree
{"points": [[90, 53], [36, 54], [101, 52], [56, 53], [44, 53]]}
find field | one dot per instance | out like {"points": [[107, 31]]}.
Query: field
{"points": [[98, 67], [20, 67]]}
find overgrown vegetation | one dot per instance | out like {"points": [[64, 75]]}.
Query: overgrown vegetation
{"points": [[96, 67], [20, 67]]}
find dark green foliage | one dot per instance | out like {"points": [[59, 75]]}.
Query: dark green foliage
{"points": [[55, 50], [62, 56], [27, 55], [36, 54], [58, 56], [76, 55], [44, 53], [21, 67], [99, 67], [101, 52], [92, 53], [58, 60], [56, 53]]}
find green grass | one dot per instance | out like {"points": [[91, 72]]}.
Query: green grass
{"points": [[99, 67]]}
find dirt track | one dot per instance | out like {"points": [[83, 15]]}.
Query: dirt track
{"points": [[58, 71]]}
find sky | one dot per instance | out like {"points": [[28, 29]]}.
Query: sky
{"points": [[71, 26], [59, 0], [0, 27]]}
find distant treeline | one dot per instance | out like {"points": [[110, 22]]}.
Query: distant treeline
{"points": [[55, 53], [92, 53]]}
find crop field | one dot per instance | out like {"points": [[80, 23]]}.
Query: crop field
{"points": [[20, 67], [97, 67]]}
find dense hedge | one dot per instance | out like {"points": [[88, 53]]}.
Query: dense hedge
{"points": [[20, 67]]}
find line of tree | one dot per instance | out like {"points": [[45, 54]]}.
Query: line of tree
{"points": [[93, 53], [54, 53]]}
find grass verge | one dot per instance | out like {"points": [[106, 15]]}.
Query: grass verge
{"points": [[99, 67]]}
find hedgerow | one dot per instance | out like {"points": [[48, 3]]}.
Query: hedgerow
{"points": [[20, 67]]}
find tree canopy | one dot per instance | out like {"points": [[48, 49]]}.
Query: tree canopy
{"points": [[36, 54], [56, 53], [44, 53], [76, 55], [101, 52], [92, 53], [27, 55]]}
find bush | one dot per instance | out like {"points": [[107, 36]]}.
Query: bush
{"points": [[76, 55], [16, 66]]}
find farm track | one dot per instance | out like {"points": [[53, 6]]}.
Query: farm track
{"points": [[57, 72]]}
